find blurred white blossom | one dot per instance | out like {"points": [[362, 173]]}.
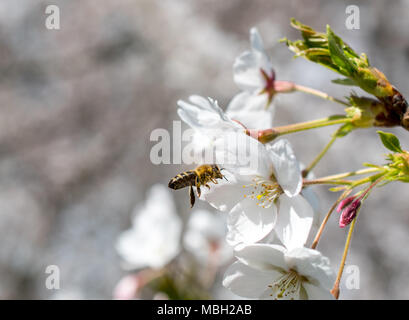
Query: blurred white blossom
{"points": [[205, 237], [154, 239]]}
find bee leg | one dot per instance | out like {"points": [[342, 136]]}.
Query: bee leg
{"points": [[197, 182], [192, 197], [215, 181], [207, 186]]}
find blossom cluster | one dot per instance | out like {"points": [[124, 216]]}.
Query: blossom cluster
{"points": [[264, 211], [268, 217]]}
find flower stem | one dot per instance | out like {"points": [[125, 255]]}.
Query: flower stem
{"points": [[375, 180], [336, 179], [327, 181], [320, 155], [324, 222], [319, 94], [364, 195], [350, 174], [375, 177], [268, 135], [335, 289]]}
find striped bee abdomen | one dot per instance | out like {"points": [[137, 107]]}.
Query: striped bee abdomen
{"points": [[183, 180]]}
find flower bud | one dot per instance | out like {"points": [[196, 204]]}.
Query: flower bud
{"points": [[349, 213], [344, 203]]}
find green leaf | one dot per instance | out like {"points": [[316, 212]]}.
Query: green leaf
{"points": [[390, 141], [331, 51], [370, 165], [335, 45], [302, 27], [344, 130], [344, 82], [337, 189]]}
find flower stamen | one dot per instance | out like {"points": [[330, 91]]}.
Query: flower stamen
{"points": [[266, 192], [288, 286]]}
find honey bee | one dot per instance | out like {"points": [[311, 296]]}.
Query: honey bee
{"points": [[201, 176]]}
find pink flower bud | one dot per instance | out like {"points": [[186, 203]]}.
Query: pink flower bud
{"points": [[345, 203], [349, 213]]}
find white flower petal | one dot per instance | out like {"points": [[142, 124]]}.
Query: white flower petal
{"points": [[210, 225], [132, 256], [312, 264], [226, 194], [262, 256], [271, 238], [248, 223], [317, 293], [242, 155], [247, 67], [158, 198], [286, 167], [310, 195], [245, 101], [246, 282], [246, 71], [153, 239], [138, 251], [251, 110], [294, 221], [312, 198], [202, 113], [255, 40], [205, 237]]}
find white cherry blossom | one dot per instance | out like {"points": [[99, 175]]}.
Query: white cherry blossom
{"points": [[205, 115], [263, 196], [208, 121], [154, 239], [268, 271], [253, 73], [253, 69], [250, 110]]}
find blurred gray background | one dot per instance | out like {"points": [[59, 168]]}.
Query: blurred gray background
{"points": [[77, 106]]}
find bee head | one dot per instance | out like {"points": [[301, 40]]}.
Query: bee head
{"points": [[218, 170]]}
